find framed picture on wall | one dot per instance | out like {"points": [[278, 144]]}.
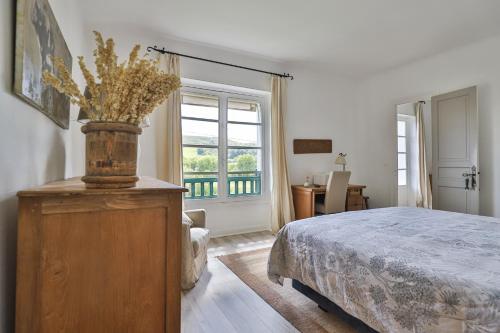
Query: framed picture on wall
{"points": [[38, 40]]}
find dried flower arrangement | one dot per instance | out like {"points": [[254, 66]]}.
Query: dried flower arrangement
{"points": [[127, 92]]}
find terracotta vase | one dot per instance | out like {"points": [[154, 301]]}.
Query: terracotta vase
{"points": [[110, 154]]}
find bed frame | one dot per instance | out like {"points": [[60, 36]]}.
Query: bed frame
{"points": [[328, 306]]}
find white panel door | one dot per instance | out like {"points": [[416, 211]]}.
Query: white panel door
{"points": [[455, 184]]}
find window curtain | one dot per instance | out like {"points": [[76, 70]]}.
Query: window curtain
{"points": [[424, 192], [282, 204], [170, 168]]}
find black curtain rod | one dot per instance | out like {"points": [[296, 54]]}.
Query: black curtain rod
{"points": [[163, 51]]}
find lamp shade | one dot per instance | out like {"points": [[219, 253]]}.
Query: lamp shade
{"points": [[340, 160]]}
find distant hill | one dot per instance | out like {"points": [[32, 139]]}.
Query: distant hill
{"points": [[199, 140], [203, 140]]}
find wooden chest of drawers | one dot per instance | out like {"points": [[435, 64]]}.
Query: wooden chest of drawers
{"points": [[99, 260]]}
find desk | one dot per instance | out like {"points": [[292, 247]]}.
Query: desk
{"points": [[304, 199]]}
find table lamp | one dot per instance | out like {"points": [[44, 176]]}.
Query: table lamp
{"points": [[340, 160]]}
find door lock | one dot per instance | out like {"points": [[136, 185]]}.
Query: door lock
{"points": [[470, 178]]}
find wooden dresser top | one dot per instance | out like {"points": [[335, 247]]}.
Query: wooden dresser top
{"points": [[74, 186]]}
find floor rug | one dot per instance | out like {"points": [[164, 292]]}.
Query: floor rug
{"points": [[300, 311]]}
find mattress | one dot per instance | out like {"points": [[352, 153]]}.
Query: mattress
{"points": [[398, 269]]}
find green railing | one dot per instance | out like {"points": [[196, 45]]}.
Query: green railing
{"points": [[244, 183], [203, 185]]}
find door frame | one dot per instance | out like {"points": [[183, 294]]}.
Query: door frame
{"points": [[395, 149]]}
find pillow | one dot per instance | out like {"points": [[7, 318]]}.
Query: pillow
{"points": [[186, 219]]}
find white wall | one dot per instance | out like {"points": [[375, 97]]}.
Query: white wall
{"points": [[33, 149], [475, 64], [322, 105]]}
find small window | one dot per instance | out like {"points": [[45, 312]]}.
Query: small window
{"points": [[401, 161], [243, 111], [402, 154], [401, 128], [243, 135], [402, 177], [200, 132], [401, 144], [200, 106]]}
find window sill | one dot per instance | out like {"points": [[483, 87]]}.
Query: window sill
{"points": [[264, 199]]}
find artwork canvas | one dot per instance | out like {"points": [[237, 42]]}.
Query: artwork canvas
{"points": [[38, 39], [312, 146]]}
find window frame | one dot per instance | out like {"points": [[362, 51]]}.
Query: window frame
{"points": [[406, 153], [203, 146], [224, 93]]}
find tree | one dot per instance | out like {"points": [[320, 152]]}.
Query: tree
{"points": [[200, 163], [190, 163], [246, 162], [207, 163]]}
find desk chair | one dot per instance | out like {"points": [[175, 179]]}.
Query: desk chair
{"points": [[335, 196]]}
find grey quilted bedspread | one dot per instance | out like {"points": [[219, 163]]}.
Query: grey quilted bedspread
{"points": [[399, 269]]}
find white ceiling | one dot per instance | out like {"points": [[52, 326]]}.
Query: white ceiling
{"points": [[356, 37]]}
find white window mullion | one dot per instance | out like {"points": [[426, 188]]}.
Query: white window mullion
{"points": [[223, 146]]}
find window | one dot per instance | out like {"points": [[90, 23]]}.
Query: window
{"points": [[200, 144], [244, 147], [402, 154], [223, 144]]}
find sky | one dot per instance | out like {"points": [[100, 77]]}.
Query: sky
{"points": [[248, 134]]}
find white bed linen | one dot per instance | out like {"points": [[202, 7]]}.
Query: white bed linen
{"points": [[399, 269]]}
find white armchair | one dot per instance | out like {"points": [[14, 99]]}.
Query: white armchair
{"points": [[195, 239]]}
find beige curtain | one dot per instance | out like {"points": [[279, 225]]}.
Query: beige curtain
{"points": [[282, 204], [170, 164], [424, 191]]}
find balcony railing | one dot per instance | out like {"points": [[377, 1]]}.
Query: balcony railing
{"points": [[203, 185], [244, 183]]}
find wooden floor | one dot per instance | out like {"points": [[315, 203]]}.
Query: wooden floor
{"points": [[221, 302], [239, 243]]}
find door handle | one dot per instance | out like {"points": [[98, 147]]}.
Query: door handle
{"points": [[470, 177]]}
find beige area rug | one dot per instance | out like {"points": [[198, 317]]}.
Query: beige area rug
{"points": [[300, 311]]}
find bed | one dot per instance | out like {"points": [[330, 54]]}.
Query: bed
{"points": [[398, 269]]}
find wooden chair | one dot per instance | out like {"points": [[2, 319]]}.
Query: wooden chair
{"points": [[335, 196]]}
